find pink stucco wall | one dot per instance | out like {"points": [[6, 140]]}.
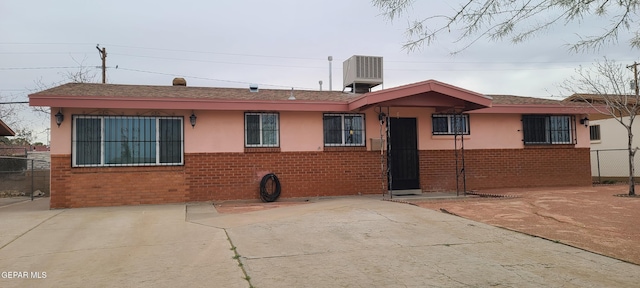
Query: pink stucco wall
{"points": [[215, 131], [223, 131], [61, 136], [301, 131]]}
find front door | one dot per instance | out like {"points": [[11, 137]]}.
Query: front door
{"points": [[404, 154]]}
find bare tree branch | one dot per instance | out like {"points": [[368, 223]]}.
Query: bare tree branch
{"points": [[517, 20], [606, 88]]}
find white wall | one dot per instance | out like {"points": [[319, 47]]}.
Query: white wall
{"points": [[613, 163]]}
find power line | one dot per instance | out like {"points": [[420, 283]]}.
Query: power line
{"points": [[206, 78], [216, 53], [41, 53], [217, 62], [40, 68], [264, 56]]}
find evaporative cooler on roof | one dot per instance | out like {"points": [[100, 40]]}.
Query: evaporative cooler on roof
{"points": [[361, 73]]}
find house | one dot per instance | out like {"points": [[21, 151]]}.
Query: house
{"points": [[5, 130], [609, 153], [134, 144], [609, 139]]}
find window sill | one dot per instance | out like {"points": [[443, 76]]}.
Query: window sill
{"points": [[126, 169], [595, 141], [549, 146], [344, 148], [449, 137], [261, 149]]}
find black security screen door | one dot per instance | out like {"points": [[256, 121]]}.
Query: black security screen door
{"points": [[404, 153]]}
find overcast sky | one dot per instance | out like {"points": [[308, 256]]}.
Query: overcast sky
{"points": [[275, 44]]}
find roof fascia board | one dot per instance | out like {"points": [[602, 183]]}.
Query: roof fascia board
{"points": [[419, 88], [536, 109], [188, 104]]}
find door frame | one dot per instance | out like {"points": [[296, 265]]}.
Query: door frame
{"points": [[406, 184]]}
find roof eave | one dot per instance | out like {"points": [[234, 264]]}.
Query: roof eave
{"points": [[536, 109], [186, 104], [5, 130], [475, 100]]}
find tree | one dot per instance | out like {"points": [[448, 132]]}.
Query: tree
{"points": [[605, 86], [84, 74], [23, 137], [517, 20], [8, 114]]}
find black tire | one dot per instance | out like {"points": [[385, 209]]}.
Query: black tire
{"points": [[269, 188]]}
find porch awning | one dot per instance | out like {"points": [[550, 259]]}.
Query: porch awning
{"points": [[430, 93]]}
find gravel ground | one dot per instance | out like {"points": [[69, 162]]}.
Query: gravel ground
{"points": [[591, 218]]}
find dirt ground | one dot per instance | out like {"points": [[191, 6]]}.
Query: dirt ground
{"points": [[591, 218]]}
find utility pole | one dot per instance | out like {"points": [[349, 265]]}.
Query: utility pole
{"points": [[103, 57], [635, 77], [632, 152], [330, 58]]}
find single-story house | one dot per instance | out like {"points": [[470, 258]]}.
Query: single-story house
{"points": [[5, 130], [609, 153], [609, 139], [134, 144]]}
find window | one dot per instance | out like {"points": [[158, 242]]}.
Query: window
{"points": [[545, 129], [449, 124], [594, 132], [261, 130], [127, 141], [343, 130]]}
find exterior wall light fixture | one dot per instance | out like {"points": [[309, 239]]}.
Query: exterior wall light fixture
{"points": [[59, 117], [192, 119], [585, 121]]}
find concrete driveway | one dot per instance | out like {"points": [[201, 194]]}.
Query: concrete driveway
{"points": [[141, 246], [337, 242]]}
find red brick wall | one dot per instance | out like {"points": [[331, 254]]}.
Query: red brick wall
{"points": [[113, 186], [215, 176], [224, 176], [227, 176], [507, 168]]}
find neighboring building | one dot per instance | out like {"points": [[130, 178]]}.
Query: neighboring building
{"points": [[609, 140], [134, 144], [609, 153], [5, 130]]}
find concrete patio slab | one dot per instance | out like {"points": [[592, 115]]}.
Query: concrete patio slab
{"points": [[365, 242], [331, 242], [142, 246]]}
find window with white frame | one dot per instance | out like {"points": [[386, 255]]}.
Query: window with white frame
{"points": [[127, 141], [547, 129], [261, 130], [594, 132], [343, 129], [450, 124]]}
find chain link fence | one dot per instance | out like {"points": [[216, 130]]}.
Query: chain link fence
{"points": [[24, 173], [612, 165]]}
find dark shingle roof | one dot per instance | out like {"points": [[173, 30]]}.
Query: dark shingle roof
{"points": [[520, 100], [148, 91], [215, 93]]}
